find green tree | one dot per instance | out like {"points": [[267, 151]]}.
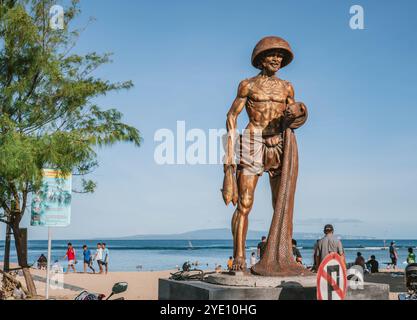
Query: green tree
{"points": [[48, 117]]}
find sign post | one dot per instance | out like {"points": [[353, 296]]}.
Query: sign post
{"points": [[332, 278], [51, 207], [48, 265]]}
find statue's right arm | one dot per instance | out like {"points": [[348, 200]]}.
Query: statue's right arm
{"points": [[231, 123]]}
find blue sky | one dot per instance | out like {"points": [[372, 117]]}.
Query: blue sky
{"points": [[358, 151]]}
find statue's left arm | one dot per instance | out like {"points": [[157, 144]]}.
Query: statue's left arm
{"points": [[296, 113]]}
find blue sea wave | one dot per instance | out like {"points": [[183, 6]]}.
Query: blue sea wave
{"points": [[204, 244]]}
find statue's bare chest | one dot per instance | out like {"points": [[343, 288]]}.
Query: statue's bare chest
{"points": [[273, 90]]}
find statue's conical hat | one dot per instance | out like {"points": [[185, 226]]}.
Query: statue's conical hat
{"points": [[269, 43]]}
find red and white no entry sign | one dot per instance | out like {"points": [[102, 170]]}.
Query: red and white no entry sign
{"points": [[332, 278]]}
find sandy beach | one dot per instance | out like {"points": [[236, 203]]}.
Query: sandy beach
{"points": [[142, 285]]}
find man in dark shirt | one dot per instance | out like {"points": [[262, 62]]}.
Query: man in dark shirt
{"points": [[261, 247], [393, 254], [373, 265]]}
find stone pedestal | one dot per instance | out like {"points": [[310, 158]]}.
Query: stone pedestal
{"points": [[249, 280], [243, 287]]}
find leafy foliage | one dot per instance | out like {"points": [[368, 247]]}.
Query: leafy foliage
{"points": [[47, 113]]}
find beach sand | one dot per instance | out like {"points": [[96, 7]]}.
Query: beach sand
{"points": [[142, 285]]}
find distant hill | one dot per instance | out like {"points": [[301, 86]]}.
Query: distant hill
{"points": [[223, 234]]}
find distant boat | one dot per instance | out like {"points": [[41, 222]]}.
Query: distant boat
{"points": [[190, 245]]}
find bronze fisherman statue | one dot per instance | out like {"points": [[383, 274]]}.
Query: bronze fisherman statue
{"points": [[268, 145]]}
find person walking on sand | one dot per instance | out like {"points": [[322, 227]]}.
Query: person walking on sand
{"points": [[393, 254], [105, 257], [88, 259], [72, 260], [99, 257], [328, 244]]}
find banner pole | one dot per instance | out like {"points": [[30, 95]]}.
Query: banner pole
{"points": [[48, 268]]}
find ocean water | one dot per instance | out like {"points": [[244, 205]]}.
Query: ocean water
{"points": [[153, 255]]}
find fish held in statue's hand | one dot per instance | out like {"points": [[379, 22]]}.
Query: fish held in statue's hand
{"points": [[230, 191]]}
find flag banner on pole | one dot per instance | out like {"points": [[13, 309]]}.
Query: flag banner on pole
{"points": [[51, 205]]}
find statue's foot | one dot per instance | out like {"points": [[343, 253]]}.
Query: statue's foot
{"points": [[290, 269], [239, 264]]}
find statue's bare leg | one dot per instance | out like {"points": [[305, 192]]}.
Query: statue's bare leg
{"points": [[246, 186]]}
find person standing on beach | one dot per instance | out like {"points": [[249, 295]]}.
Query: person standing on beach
{"points": [[105, 257], [71, 258], [252, 259], [328, 244], [296, 253], [88, 259], [393, 254], [99, 257], [42, 262], [261, 247], [411, 258], [230, 264], [315, 267]]}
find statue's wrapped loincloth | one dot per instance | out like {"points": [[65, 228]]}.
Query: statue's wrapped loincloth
{"points": [[256, 154], [259, 154]]}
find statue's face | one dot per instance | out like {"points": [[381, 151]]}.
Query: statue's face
{"points": [[272, 61]]}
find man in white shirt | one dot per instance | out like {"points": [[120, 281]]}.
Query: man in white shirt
{"points": [[99, 257]]}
